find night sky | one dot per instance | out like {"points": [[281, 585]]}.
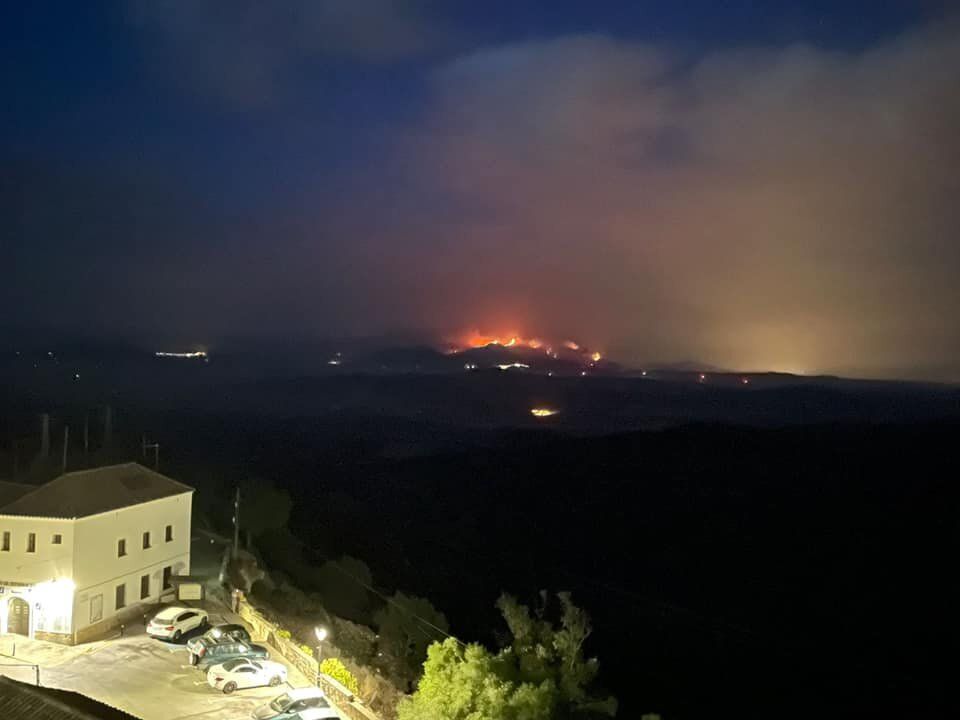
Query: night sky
{"points": [[756, 185]]}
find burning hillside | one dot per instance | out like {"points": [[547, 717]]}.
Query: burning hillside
{"points": [[568, 349]]}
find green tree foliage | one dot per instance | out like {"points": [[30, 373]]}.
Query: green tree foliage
{"points": [[262, 507], [469, 683], [541, 650], [542, 674], [407, 625], [338, 671]]}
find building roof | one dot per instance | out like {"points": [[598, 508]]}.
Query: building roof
{"points": [[90, 492], [10, 491], [19, 700]]}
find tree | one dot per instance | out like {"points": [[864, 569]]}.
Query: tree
{"points": [[467, 682], [542, 651], [541, 674], [407, 625], [262, 507]]}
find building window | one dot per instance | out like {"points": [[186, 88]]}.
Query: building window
{"points": [[144, 586], [146, 540], [121, 547], [169, 535], [167, 572], [121, 596], [58, 539], [32, 542], [6, 541], [96, 608]]}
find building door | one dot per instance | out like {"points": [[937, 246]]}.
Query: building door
{"points": [[18, 616]]}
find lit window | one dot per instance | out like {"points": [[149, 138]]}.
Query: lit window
{"points": [[146, 540], [58, 539], [32, 542], [121, 547]]}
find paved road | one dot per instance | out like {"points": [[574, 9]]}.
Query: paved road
{"points": [[148, 678]]}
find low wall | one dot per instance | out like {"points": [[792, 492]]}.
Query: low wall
{"points": [[262, 629]]}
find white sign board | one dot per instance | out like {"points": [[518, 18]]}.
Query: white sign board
{"points": [[190, 591]]}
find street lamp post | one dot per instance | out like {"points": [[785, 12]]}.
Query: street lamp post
{"points": [[321, 633]]}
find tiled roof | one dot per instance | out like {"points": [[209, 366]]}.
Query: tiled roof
{"points": [[10, 491], [89, 492], [19, 700]]}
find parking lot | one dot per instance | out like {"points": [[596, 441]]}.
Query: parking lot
{"points": [[148, 678]]}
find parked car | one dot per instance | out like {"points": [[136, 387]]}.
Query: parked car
{"points": [[173, 622], [327, 713], [291, 705], [242, 673], [218, 634], [211, 654]]}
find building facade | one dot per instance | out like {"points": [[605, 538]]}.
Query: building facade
{"points": [[90, 550]]}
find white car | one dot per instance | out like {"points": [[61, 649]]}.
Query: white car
{"points": [[327, 713], [242, 673], [174, 622]]}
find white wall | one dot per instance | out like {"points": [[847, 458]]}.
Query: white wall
{"points": [[98, 570], [48, 562]]}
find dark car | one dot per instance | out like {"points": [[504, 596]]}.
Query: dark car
{"points": [[216, 635], [209, 654]]}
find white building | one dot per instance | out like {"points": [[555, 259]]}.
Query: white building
{"points": [[89, 550]]}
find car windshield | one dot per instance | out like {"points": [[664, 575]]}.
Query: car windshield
{"points": [[234, 664], [281, 703]]}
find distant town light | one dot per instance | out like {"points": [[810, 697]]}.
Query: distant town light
{"points": [[508, 366], [543, 412], [745, 381], [596, 357], [197, 354]]}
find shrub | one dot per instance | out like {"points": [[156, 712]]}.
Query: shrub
{"points": [[285, 634], [338, 671]]}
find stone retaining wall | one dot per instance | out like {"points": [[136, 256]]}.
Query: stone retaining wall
{"points": [[262, 629]]}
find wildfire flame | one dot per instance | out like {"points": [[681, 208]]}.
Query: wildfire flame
{"points": [[477, 339]]}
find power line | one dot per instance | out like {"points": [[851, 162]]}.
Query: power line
{"points": [[397, 605]]}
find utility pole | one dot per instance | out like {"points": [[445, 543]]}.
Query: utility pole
{"points": [[45, 437], [66, 444], [156, 452], [108, 427], [236, 522]]}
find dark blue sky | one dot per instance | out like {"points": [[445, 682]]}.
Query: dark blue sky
{"points": [[197, 170]]}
